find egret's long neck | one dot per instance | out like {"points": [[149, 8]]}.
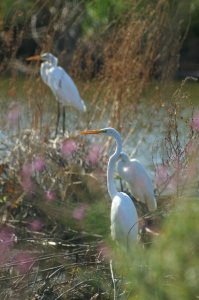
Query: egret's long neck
{"points": [[44, 71], [54, 61], [111, 165], [46, 65]]}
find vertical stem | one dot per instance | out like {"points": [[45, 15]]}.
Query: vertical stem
{"points": [[113, 279], [64, 117], [58, 117]]}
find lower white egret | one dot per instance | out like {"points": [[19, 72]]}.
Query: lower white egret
{"points": [[60, 83], [141, 186], [124, 218]]}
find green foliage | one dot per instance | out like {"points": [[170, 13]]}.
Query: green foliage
{"points": [[175, 255], [170, 268], [194, 27], [101, 13], [97, 218], [19, 9]]}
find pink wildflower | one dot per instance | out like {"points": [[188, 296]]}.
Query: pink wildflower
{"points": [[79, 213], [191, 147], [195, 122], [36, 225], [50, 195], [26, 179], [14, 113], [38, 164], [6, 242], [27, 170], [68, 148], [161, 175], [23, 261], [105, 251], [94, 154], [27, 184]]}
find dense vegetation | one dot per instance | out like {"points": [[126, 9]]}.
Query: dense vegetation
{"points": [[26, 25]]}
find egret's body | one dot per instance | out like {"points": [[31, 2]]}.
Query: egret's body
{"points": [[60, 83], [141, 186], [124, 218]]}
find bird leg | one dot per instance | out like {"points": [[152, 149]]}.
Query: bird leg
{"points": [[63, 117], [121, 185], [58, 117]]}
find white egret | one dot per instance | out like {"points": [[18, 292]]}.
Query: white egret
{"points": [[60, 83], [124, 218], [141, 186]]}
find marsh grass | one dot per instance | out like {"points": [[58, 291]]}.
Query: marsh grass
{"points": [[47, 191], [178, 147]]}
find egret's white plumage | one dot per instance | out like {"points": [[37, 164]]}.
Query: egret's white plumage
{"points": [[61, 84], [141, 186], [124, 218]]}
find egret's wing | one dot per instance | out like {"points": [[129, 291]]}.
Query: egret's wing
{"points": [[139, 181], [64, 88], [143, 185]]}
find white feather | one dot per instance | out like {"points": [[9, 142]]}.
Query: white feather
{"points": [[61, 84], [124, 220], [141, 186]]}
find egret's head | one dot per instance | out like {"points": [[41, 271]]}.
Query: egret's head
{"points": [[95, 131], [45, 57], [49, 57], [106, 131]]}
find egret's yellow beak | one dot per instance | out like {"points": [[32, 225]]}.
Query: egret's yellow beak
{"points": [[91, 131], [34, 58]]}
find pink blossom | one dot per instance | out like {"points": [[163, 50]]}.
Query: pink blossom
{"points": [[173, 184], [6, 242], [27, 184], [195, 122], [68, 148], [105, 251], [36, 225], [170, 183], [27, 169], [161, 175], [38, 164], [6, 236], [26, 180], [94, 154], [23, 261], [79, 213], [192, 170], [14, 113], [191, 147], [50, 195]]}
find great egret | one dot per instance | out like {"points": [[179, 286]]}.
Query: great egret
{"points": [[60, 83], [124, 218], [141, 186]]}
